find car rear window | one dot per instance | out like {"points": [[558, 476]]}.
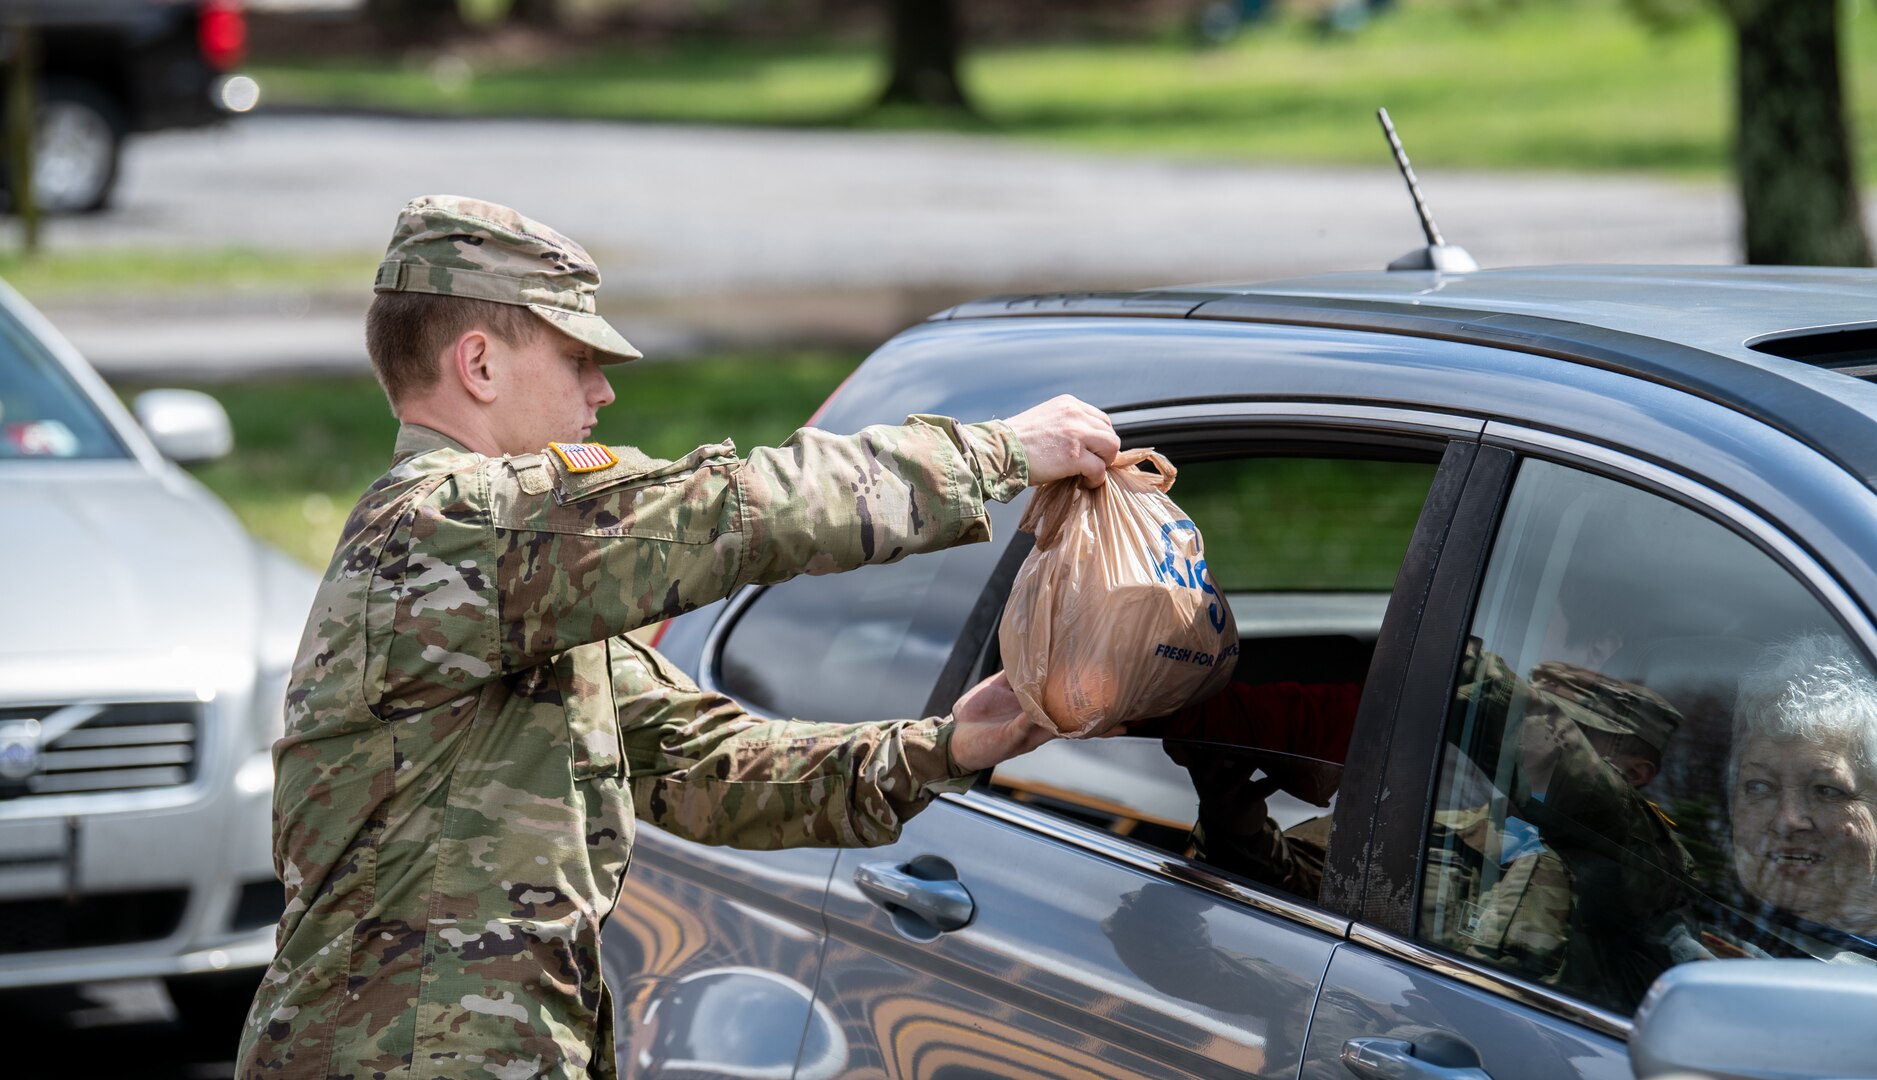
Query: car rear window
{"points": [[43, 413]]}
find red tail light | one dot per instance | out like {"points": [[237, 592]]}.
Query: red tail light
{"points": [[222, 33]]}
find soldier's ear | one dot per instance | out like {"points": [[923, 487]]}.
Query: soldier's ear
{"points": [[470, 363], [1638, 771]]}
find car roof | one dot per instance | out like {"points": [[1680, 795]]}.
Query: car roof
{"points": [[1690, 328], [1717, 309]]}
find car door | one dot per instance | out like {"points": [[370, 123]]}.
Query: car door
{"points": [[1063, 918], [712, 952], [1568, 809]]}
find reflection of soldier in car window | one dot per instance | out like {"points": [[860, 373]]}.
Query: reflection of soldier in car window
{"points": [[1162, 934], [1802, 779], [1572, 878]]}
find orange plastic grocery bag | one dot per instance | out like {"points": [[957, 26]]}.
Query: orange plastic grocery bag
{"points": [[1114, 617]]}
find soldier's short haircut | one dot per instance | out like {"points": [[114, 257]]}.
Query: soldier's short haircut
{"points": [[406, 332]]}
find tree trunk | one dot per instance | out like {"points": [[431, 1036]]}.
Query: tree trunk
{"points": [[21, 129], [541, 13], [923, 48], [1798, 175]]}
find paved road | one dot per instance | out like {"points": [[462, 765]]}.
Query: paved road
{"points": [[702, 232]]}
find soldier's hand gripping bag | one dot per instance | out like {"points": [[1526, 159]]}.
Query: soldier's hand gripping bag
{"points": [[1114, 616]]}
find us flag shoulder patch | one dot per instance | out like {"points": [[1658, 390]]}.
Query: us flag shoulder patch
{"points": [[584, 457]]}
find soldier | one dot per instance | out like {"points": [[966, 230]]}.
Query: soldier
{"points": [[470, 733]]}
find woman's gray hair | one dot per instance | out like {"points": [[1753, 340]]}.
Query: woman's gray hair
{"points": [[1813, 687]]}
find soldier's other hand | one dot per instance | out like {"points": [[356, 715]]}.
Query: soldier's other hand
{"points": [[1066, 436], [989, 726]]}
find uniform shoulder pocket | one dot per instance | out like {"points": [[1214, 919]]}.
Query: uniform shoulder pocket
{"points": [[630, 468], [689, 500]]}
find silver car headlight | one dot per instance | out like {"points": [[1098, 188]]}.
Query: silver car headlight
{"points": [[266, 725], [270, 707]]}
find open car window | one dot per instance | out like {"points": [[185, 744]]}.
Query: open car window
{"points": [[1307, 550]]}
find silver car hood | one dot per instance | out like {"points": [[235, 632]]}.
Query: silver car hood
{"points": [[120, 578]]}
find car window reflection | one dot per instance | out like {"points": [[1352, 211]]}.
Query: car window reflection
{"points": [[1660, 750]]}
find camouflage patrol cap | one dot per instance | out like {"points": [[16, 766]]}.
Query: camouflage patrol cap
{"points": [[452, 246], [1606, 704]]}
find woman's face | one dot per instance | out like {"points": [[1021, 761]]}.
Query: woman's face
{"points": [[1805, 836]]}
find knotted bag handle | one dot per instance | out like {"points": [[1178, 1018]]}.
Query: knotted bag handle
{"points": [[1049, 507]]}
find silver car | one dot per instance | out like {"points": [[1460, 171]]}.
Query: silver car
{"points": [[143, 658]]}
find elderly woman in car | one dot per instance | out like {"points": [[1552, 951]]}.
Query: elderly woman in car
{"points": [[1803, 778]]}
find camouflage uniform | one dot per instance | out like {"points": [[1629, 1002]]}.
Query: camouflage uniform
{"points": [[470, 735], [1517, 912]]}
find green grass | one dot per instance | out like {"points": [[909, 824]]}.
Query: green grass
{"points": [[1287, 524], [305, 449], [1565, 84], [53, 275]]}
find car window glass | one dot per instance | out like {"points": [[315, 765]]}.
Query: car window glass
{"points": [[869, 644], [1307, 550], [1660, 749], [42, 413]]}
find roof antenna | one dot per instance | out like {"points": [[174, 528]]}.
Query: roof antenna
{"points": [[1438, 254]]}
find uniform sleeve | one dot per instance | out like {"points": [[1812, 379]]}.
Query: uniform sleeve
{"points": [[703, 768], [585, 555], [1627, 863]]}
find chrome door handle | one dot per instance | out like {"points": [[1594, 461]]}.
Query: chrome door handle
{"points": [[1393, 1059], [945, 904]]}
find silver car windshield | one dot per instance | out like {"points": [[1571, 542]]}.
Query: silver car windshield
{"points": [[43, 413]]}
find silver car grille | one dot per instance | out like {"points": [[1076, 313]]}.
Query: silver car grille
{"points": [[88, 749]]}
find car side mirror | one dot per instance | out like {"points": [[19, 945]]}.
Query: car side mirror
{"points": [[188, 426], [1751, 1019]]}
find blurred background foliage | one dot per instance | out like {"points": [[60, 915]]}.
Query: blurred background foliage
{"points": [[1563, 85], [1546, 84]]}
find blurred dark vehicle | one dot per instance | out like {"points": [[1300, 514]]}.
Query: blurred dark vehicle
{"points": [[111, 68]]}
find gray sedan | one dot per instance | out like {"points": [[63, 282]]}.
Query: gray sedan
{"points": [[1555, 590]]}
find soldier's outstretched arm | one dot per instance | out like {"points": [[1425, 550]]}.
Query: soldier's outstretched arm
{"points": [[592, 542], [503, 565], [584, 553], [705, 769]]}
